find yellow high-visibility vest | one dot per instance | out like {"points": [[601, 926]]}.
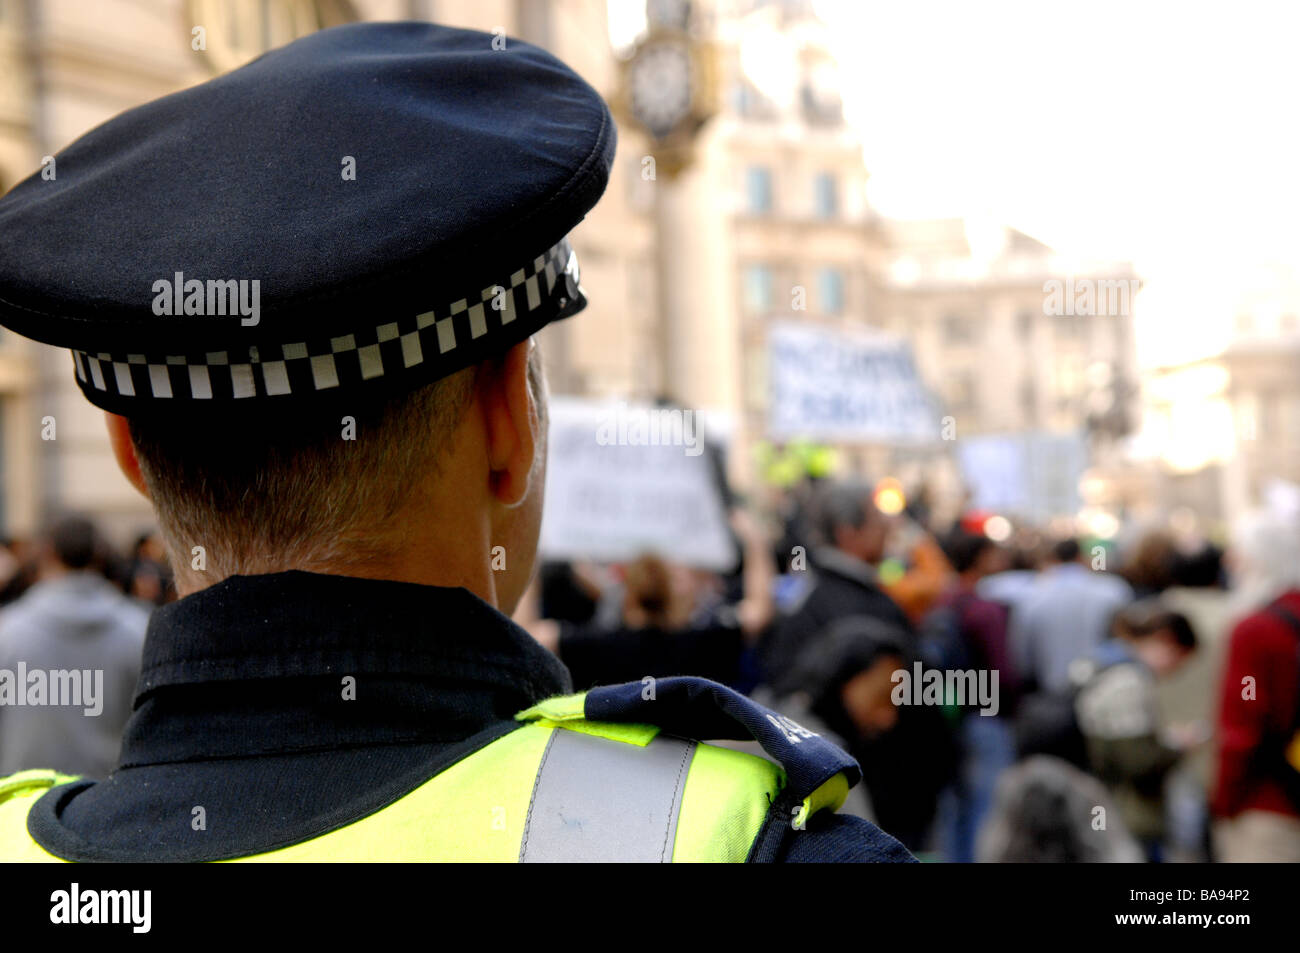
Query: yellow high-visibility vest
{"points": [[558, 788]]}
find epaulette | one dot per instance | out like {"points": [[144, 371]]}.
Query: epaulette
{"points": [[819, 774]]}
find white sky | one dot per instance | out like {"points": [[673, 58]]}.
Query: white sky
{"points": [[1155, 131], [1164, 133]]}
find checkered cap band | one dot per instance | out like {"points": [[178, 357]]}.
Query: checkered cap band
{"points": [[423, 342]]}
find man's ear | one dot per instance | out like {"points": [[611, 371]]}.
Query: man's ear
{"points": [[510, 421], [119, 434]]}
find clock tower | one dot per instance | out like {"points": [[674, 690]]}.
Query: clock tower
{"points": [[669, 92]]}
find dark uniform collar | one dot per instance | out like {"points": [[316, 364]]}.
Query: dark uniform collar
{"points": [[425, 663], [292, 704]]}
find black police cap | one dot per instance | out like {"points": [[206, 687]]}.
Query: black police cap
{"points": [[400, 193]]}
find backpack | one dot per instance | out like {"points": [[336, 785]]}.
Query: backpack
{"points": [[940, 640], [942, 645], [1047, 721]]}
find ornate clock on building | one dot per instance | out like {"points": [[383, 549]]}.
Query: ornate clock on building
{"points": [[660, 84], [668, 86]]}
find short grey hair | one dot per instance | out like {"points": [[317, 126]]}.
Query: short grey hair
{"points": [[847, 504], [263, 495]]}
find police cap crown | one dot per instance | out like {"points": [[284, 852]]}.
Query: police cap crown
{"points": [[369, 208]]}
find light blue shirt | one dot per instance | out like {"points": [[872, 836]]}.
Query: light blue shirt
{"points": [[1064, 616]]}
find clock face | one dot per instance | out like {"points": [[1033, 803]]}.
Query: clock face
{"points": [[660, 86]]}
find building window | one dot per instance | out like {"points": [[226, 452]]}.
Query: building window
{"points": [[741, 96], [1025, 324], [758, 288], [830, 290], [822, 105], [750, 103], [957, 329], [758, 187], [826, 198]]}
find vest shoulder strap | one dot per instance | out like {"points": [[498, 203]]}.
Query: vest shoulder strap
{"points": [[610, 792], [818, 773], [601, 800]]}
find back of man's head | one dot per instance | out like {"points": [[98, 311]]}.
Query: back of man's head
{"points": [[1202, 569], [1151, 619], [965, 549], [74, 542], [1066, 551], [314, 492], [845, 505], [1041, 814]]}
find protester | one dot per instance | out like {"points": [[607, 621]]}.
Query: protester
{"points": [[906, 767], [567, 593], [981, 623], [1017, 579], [1064, 617], [149, 578], [1257, 797], [1129, 748], [1191, 693], [979, 628], [1046, 811], [71, 621], [17, 569], [854, 535], [1150, 567], [926, 573], [659, 635], [674, 620]]}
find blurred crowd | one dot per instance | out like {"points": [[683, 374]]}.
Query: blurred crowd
{"points": [[72, 603], [1009, 696], [1083, 700]]}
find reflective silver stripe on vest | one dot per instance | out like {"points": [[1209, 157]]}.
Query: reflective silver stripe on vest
{"points": [[598, 800]]}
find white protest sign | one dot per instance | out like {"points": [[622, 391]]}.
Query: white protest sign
{"points": [[860, 385], [625, 480], [1034, 475]]}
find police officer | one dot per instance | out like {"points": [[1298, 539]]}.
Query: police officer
{"points": [[305, 293]]}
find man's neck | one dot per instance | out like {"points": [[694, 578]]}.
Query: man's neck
{"points": [[426, 566]]}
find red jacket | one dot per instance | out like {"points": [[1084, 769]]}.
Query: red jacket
{"points": [[1267, 648]]}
